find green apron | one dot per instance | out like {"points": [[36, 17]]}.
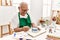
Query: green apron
{"points": [[24, 21]]}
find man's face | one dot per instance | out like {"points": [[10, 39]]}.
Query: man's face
{"points": [[23, 9]]}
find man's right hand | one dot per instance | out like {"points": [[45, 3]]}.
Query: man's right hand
{"points": [[18, 29], [25, 28]]}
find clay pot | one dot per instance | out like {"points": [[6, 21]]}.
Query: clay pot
{"points": [[54, 19], [42, 21]]}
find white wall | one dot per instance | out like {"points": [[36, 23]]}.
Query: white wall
{"points": [[6, 14], [36, 9], [56, 5], [47, 8]]}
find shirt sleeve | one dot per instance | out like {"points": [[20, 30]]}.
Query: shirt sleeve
{"points": [[32, 18], [14, 21]]}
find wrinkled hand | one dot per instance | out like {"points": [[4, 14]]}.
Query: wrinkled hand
{"points": [[25, 28], [18, 29], [33, 25]]}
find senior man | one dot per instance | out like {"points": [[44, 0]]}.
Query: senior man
{"points": [[22, 21]]}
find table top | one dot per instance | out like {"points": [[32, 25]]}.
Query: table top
{"points": [[10, 37], [55, 34], [25, 35]]}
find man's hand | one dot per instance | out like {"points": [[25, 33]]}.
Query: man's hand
{"points": [[25, 28], [18, 29], [33, 25]]}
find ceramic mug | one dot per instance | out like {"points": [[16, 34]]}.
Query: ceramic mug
{"points": [[34, 29]]}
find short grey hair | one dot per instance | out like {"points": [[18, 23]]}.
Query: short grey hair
{"points": [[22, 4]]}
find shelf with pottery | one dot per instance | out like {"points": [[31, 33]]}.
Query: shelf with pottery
{"points": [[53, 30], [55, 35]]}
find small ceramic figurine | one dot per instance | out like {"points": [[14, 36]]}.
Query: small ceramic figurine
{"points": [[57, 17], [42, 22], [50, 30]]}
